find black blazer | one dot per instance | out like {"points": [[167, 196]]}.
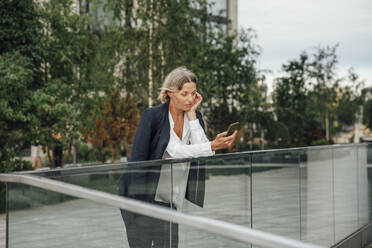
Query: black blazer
{"points": [[150, 141]]}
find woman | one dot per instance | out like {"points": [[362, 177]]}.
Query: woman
{"points": [[174, 129]]}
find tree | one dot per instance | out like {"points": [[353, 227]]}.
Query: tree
{"points": [[349, 101], [293, 104], [310, 101], [325, 83], [229, 81], [77, 67], [115, 124], [20, 55], [86, 57], [16, 105], [158, 36]]}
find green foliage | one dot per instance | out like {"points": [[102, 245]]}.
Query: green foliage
{"points": [[61, 59], [158, 36], [84, 153], [229, 82], [20, 29], [348, 105], [27, 197], [70, 78], [319, 142], [290, 101], [20, 56], [16, 105], [152, 39], [310, 101]]}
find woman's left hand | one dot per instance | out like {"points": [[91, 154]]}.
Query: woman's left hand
{"points": [[191, 113], [197, 101]]}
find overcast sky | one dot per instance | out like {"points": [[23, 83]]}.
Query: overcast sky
{"points": [[285, 28]]}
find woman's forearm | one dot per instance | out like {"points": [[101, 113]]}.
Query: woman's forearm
{"points": [[187, 151]]}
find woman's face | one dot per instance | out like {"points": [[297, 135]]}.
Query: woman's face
{"points": [[183, 99]]}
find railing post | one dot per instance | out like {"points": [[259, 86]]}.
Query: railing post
{"points": [[7, 215], [251, 191]]}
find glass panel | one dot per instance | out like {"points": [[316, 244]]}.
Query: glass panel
{"points": [[223, 189], [345, 191], [276, 193], [39, 218], [363, 187], [106, 181], [135, 180], [103, 177], [317, 206], [152, 184]]}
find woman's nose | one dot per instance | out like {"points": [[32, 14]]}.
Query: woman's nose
{"points": [[189, 98]]}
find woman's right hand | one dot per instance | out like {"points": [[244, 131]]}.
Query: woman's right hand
{"points": [[222, 142]]}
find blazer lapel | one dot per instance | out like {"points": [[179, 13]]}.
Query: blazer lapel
{"points": [[164, 131]]}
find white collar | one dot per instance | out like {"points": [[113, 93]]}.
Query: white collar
{"points": [[186, 126]]}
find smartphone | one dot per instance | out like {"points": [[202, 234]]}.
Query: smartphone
{"points": [[232, 128]]}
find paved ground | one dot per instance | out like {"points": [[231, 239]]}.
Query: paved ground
{"points": [[293, 202]]}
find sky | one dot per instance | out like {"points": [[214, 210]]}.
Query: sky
{"points": [[285, 28]]}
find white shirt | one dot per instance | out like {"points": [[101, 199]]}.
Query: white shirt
{"points": [[194, 143]]}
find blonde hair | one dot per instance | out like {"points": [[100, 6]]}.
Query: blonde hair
{"points": [[175, 81]]}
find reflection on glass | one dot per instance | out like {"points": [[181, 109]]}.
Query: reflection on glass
{"points": [[363, 186], [334, 199], [226, 198], [40, 218], [317, 204], [227, 190], [345, 191], [276, 193], [106, 181], [151, 184]]}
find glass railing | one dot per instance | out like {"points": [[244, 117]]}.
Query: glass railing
{"points": [[318, 195], [48, 219], [92, 228]]}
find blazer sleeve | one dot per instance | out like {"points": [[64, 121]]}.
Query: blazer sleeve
{"points": [[142, 138]]}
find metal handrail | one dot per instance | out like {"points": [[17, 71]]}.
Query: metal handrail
{"points": [[228, 230]]}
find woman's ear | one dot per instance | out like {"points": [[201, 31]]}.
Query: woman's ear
{"points": [[170, 94]]}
